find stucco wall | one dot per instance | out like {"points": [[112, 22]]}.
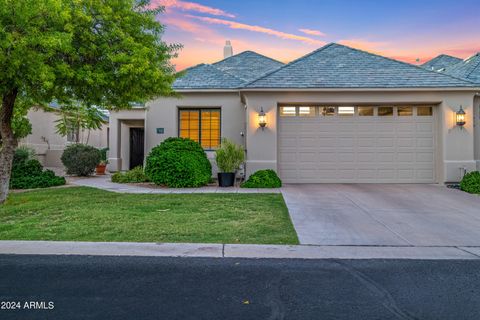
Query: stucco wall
{"points": [[47, 142], [455, 146], [477, 129], [163, 113]]}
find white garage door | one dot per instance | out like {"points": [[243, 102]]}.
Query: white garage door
{"points": [[356, 144]]}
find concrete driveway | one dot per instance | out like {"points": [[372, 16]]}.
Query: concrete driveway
{"points": [[383, 214]]}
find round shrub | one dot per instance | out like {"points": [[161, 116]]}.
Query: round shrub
{"points": [[263, 179], [178, 163], [80, 159], [471, 182], [27, 172]]}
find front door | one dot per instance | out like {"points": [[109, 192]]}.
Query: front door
{"points": [[137, 144]]}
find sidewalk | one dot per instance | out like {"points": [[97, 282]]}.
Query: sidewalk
{"points": [[236, 250], [104, 182]]}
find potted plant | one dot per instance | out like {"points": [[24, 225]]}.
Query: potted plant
{"points": [[102, 165], [228, 157]]}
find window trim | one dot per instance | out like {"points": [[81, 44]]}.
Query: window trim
{"points": [[199, 109]]}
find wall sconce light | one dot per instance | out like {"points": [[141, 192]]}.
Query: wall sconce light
{"points": [[460, 117], [262, 119]]}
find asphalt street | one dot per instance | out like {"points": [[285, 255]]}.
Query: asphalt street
{"points": [[93, 287]]}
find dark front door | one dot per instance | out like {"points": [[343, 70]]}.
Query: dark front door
{"points": [[137, 143]]}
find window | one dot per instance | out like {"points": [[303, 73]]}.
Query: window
{"points": [[385, 111], [327, 111], [346, 111], [365, 111], [288, 111], [200, 125], [404, 111], [306, 111], [424, 111]]}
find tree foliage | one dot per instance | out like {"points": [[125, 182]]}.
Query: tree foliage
{"points": [[77, 52]]}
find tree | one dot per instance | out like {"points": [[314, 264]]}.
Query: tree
{"points": [[77, 119], [88, 52]]}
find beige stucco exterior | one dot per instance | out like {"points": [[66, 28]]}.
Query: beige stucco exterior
{"points": [[456, 148], [49, 145]]}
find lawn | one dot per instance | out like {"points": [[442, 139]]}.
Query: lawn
{"points": [[87, 214]]}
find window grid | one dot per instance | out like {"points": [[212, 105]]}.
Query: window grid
{"points": [[360, 110], [201, 125]]}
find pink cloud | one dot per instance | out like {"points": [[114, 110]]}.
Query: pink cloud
{"points": [[190, 6], [312, 32], [243, 26]]}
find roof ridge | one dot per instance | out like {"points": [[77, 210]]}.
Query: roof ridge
{"points": [[475, 67], [290, 63], [404, 63], [240, 53]]}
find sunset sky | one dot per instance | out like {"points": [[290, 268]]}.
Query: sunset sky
{"points": [[287, 29]]}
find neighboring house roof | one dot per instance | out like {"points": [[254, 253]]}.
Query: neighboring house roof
{"points": [[440, 62], [338, 66], [468, 69], [230, 73], [248, 65]]}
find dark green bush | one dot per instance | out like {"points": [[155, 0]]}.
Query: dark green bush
{"points": [[178, 163], [136, 175], [81, 159], [27, 173], [471, 182], [263, 179]]}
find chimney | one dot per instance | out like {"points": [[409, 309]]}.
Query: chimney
{"points": [[227, 50]]}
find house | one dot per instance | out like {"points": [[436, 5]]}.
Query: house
{"points": [[440, 62], [337, 114], [49, 145]]}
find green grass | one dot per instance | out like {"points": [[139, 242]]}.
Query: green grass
{"points": [[87, 214]]}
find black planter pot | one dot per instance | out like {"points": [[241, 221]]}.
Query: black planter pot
{"points": [[226, 179]]}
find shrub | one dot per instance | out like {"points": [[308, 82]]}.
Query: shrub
{"points": [[229, 156], [263, 179], [103, 156], [24, 153], [80, 159], [471, 182], [178, 163], [27, 172], [136, 175]]}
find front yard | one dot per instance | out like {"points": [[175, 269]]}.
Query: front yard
{"points": [[88, 214]]}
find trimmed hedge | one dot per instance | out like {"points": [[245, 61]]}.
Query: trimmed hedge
{"points": [[80, 159], [27, 172], [263, 179], [136, 175], [178, 163], [471, 182]]}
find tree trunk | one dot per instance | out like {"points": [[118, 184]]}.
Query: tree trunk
{"points": [[9, 142]]}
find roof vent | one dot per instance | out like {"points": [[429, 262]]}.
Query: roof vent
{"points": [[227, 50]]}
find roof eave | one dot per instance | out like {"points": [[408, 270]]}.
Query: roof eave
{"points": [[367, 89]]}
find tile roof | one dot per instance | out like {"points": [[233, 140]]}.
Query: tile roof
{"points": [[248, 65], [338, 66], [205, 76], [230, 73], [468, 69], [440, 62]]}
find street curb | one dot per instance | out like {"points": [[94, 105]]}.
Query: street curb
{"points": [[235, 250]]}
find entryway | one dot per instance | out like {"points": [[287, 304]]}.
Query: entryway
{"points": [[137, 147]]}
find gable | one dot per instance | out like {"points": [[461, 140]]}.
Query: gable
{"points": [[440, 62], [468, 69]]}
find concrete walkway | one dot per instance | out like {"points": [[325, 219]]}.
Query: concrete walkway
{"points": [[105, 183], [383, 215], [235, 250]]}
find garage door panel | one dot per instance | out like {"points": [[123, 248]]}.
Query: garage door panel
{"points": [[356, 149]]}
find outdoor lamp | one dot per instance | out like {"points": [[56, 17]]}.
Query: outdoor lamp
{"points": [[460, 117], [262, 119]]}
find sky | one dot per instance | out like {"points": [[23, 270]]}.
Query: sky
{"points": [[285, 30]]}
